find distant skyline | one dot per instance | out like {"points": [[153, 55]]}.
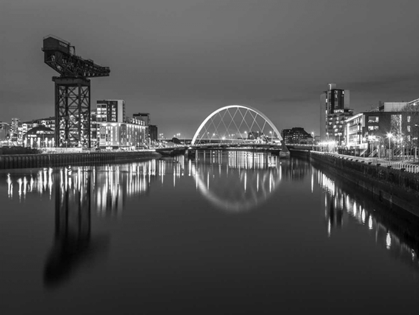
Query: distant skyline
{"points": [[179, 60]]}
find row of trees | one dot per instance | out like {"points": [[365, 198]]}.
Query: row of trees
{"points": [[407, 138]]}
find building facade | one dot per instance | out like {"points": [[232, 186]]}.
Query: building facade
{"points": [[110, 111], [114, 135], [353, 131], [296, 135], [14, 130], [391, 126], [143, 116], [153, 133], [39, 137], [4, 132], [334, 110]]}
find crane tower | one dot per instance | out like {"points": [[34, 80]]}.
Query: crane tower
{"points": [[72, 91]]}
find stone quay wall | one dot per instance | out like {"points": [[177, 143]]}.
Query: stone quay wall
{"points": [[62, 159], [395, 186]]}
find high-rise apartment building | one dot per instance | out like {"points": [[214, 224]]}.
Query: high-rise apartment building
{"points": [[143, 116], [14, 129], [334, 110], [153, 132], [4, 131], [110, 111]]}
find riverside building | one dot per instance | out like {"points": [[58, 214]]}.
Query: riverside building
{"points": [[297, 135], [110, 111], [114, 130], [390, 126], [334, 110]]}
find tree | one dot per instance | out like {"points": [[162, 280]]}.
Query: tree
{"points": [[410, 135]]}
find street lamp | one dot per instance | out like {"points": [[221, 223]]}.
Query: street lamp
{"points": [[389, 136]]}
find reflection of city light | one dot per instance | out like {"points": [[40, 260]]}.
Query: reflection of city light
{"points": [[20, 187], [329, 228], [50, 182], [258, 177], [328, 184], [258, 182], [343, 202], [9, 187], [25, 183], [388, 241], [312, 182]]}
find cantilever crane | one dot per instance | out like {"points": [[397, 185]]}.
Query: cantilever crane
{"points": [[72, 91]]}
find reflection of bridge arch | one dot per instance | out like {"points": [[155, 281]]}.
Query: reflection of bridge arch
{"points": [[217, 180], [251, 112]]}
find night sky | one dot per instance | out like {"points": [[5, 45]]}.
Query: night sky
{"points": [[180, 60]]}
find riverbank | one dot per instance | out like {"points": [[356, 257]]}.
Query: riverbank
{"points": [[393, 186], [17, 150], [14, 161]]}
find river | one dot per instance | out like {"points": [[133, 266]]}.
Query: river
{"points": [[221, 233]]}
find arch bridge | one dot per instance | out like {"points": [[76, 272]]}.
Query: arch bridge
{"points": [[236, 125]]}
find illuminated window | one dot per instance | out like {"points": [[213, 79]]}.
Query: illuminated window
{"points": [[373, 119], [408, 128], [371, 128], [408, 118]]}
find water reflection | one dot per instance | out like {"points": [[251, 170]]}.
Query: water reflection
{"points": [[231, 181], [341, 207], [74, 244], [40, 182], [236, 181]]}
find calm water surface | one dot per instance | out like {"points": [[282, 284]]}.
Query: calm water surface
{"points": [[223, 233]]}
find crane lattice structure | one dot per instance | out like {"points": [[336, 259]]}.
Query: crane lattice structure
{"points": [[72, 91]]}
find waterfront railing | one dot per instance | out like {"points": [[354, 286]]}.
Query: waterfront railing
{"points": [[407, 167]]}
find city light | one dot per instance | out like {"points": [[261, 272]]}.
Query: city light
{"points": [[389, 136]]}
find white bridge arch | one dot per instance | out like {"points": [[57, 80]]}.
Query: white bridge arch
{"points": [[253, 113]]}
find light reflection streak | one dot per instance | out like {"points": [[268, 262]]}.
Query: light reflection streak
{"points": [[259, 175], [338, 213]]}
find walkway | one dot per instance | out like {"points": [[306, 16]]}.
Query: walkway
{"points": [[407, 165]]}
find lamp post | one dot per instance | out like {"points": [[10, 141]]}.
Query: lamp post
{"points": [[363, 141], [371, 143], [389, 136]]}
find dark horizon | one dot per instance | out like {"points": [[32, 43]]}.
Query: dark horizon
{"points": [[181, 60]]}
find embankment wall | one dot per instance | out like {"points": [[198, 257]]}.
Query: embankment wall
{"points": [[50, 160], [395, 186]]}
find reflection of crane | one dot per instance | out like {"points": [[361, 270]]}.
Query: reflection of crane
{"points": [[73, 245], [72, 91]]}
